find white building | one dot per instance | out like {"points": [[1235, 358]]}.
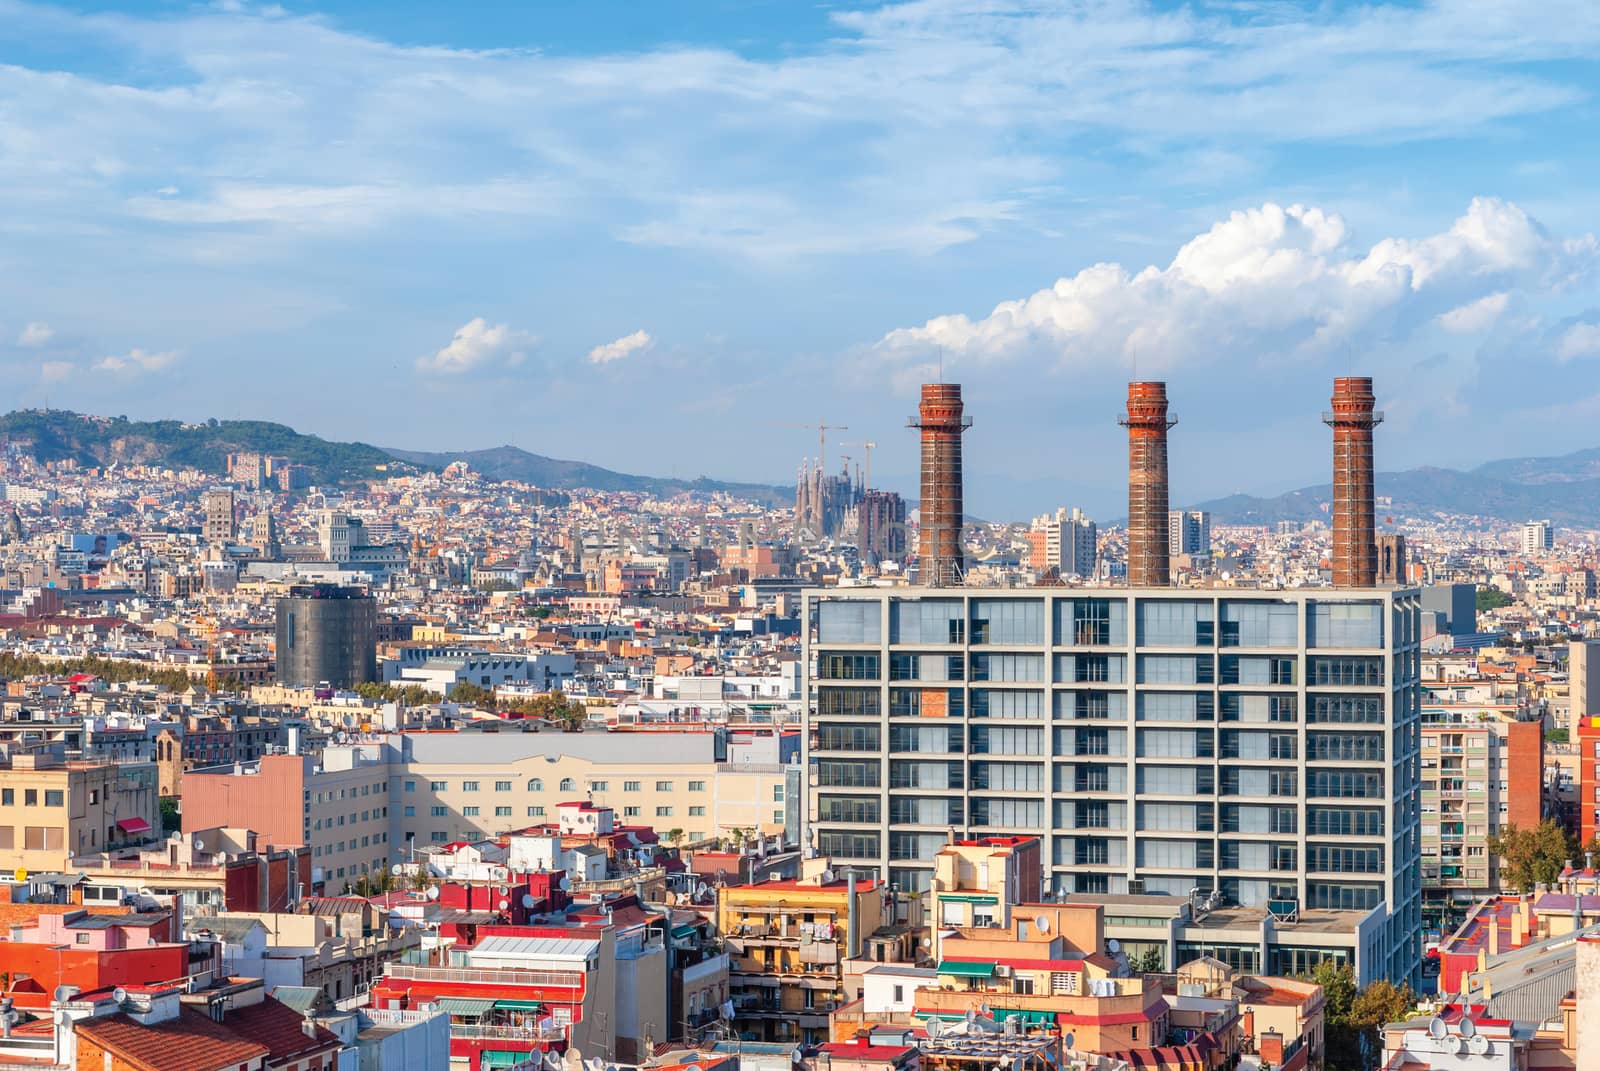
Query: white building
{"points": [[1538, 537], [1069, 543], [1188, 532]]}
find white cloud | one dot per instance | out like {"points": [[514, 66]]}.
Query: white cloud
{"points": [[1475, 316], [1579, 340], [637, 342], [137, 361], [475, 344], [35, 335], [56, 371], [1270, 284], [284, 121]]}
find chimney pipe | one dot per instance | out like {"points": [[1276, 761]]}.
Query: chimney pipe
{"points": [[1355, 547], [939, 534], [1149, 560]]}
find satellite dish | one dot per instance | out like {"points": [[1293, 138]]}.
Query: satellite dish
{"points": [[199, 845], [528, 901], [1467, 1027], [701, 889], [397, 870], [1436, 1029], [119, 994], [827, 877], [934, 1027], [1113, 946], [1479, 1045], [574, 1058], [1067, 1039], [594, 1063], [433, 892], [504, 905], [971, 1015], [566, 883], [63, 994], [1042, 923]]}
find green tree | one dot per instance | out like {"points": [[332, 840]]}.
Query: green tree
{"points": [[1531, 856], [171, 818], [1150, 961], [1343, 1043], [1492, 599], [674, 836]]}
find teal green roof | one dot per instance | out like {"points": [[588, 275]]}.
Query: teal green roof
{"points": [[962, 969], [466, 1007]]}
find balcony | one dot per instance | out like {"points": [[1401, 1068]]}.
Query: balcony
{"points": [[512, 976], [531, 1035]]}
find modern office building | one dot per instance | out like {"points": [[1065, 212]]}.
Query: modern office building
{"points": [[1260, 744], [1189, 531], [326, 633], [1455, 607], [1538, 537]]}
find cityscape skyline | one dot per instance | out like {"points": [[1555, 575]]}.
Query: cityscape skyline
{"points": [[752, 211]]}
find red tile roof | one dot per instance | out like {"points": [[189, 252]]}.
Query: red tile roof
{"points": [[190, 1042], [194, 1042]]}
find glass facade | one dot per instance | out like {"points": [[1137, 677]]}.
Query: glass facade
{"points": [[1178, 741]]}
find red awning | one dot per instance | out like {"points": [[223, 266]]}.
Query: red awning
{"points": [[133, 825]]}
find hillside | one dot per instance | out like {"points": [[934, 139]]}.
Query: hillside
{"points": [[1565, 489], [56, 435], [514, 463]]}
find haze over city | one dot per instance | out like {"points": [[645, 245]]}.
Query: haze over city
{"points": [[388, 224]]}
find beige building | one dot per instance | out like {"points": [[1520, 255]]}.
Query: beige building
{"points": [[338, 806], [51, 810], [460, 786], [787, 943]]}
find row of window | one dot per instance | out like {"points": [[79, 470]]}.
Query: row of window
{"points": [[53, 797], [339, 847], [1104, 621], [567, 784]]}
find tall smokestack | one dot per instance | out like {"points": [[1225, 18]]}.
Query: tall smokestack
{"points": [[939, 535], [1355, 546], [1148, 542]]}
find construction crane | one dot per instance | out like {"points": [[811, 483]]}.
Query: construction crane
{"points": [[822, 430], [868, 447]]}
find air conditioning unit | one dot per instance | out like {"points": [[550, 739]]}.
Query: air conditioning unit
{"points": [[1002, 970]]}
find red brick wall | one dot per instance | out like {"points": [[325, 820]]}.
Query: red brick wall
{"points": [[1525, 773]]}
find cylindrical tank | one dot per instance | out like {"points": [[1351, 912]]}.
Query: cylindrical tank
{"points": [[327, 633]]}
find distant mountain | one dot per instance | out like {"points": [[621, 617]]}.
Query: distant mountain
{"points": [[1565, 489], [94, 441], [515, 463]]}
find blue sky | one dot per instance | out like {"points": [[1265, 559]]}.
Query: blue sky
{"points": [[638, 234]]}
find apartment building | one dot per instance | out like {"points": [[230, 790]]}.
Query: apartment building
{"points": [[464, 786], [1261, 745], [1479, 774], [52, 809], [788, 942], [338, 806], [1064, 542]]}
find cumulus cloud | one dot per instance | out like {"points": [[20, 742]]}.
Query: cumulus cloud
{"points": [[1269, 284], [1579, 340], [625, 346], [1475, 316], [137, 361], [56, 371], [36, 334], [477, 343]]}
